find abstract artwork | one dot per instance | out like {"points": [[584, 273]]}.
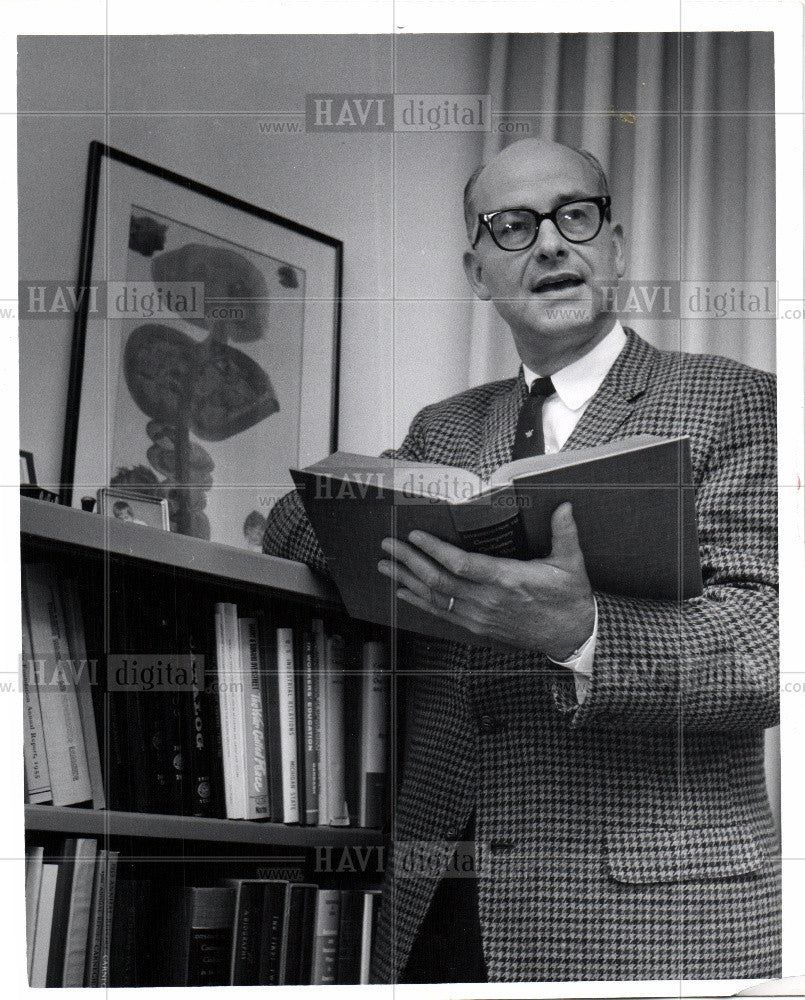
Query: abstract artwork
{"points": [[216, 359]]}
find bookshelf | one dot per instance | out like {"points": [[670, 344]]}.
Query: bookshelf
{"points": [[182, 850]]}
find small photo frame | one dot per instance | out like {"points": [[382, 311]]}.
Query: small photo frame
{"points": [[27, 473], [134, 508]]}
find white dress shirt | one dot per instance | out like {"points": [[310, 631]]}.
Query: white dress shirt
{"points": [[575, 386]]}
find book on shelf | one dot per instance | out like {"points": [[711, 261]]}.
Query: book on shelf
{"points": [[255, 725], [44, 924], [34, 861], [272, 931], [310, 728], [244, 965], [325, 937], [334, 721], [96, 965], [199, 936], [55, 677], [93, 927], [371, 906], [37, 773], [286, 686], [320, 719], [633, 503], [77, 645], [374, 734]]}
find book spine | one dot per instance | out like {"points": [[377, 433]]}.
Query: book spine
{"points": [[82, 668], [337, 810], [61, 718], [245, 959], [77, 936], [370, 904], [287, 712], [374, 733], [320, 719], [273, 918], [209, 916], [96, 915], [312, 724], [348, 972], [37, 774], [44, 924], [268, 662], [61, 912], [228, 677], [255, 721], [325, 937], [34, 860], [108, 917]]}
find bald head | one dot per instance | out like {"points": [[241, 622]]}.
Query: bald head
{"points": [[522, 159]]}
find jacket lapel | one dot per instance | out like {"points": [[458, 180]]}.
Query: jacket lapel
{"points": [[500, 427], [615, 399]]}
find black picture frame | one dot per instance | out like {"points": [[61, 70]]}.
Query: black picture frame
{"points": [[142, 222]]}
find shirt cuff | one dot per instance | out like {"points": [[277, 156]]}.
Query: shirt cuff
{"points": [[581, 662]]}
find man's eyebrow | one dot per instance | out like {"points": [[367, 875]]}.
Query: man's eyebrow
{"points": [[560, 199]]}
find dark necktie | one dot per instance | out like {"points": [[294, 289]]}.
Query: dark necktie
{"points": [[529, 439]]}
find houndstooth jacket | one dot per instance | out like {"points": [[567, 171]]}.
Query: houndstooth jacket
{"points": [[629, 837]]}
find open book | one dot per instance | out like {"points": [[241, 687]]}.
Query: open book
{"points": [[633, 502]]}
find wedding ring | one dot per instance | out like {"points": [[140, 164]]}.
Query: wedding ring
{"points": [[451, 605]]}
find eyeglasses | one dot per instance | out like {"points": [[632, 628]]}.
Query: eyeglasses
{"points": [[517, 228]]}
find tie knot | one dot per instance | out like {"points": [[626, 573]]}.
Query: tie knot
{"points": [[542, 387]]}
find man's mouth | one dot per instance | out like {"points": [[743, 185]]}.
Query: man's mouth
{"points": [[563, 281]]}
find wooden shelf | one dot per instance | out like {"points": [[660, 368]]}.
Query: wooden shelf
{"points": [[55, 523], [106, 822]]}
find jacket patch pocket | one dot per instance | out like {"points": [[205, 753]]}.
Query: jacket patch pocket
{"points": [[682, 854]]}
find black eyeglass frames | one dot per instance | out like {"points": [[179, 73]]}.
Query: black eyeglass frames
{"points": [[517, 228]]}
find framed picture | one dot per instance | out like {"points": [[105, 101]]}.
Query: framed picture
{"points": [[27, 471], [205, 351], [133, 507]]}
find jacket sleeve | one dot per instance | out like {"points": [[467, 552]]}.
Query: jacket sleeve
{"points": [[710, 663], [288, 532]]}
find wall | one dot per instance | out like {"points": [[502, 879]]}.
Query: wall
{"points": [[194, 104]]}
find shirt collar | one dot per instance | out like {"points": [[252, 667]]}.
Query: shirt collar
{"points": [[579, 381]]}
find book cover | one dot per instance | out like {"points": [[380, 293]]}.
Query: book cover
{"points": [[65, 862], [633, 502]]}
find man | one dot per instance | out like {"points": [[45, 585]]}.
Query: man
{"points": [[608, 759]]}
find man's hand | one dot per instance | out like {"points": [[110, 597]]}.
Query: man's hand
{"points": [[543, 604]]}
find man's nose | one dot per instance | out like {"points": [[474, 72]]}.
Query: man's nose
{"points": [[549, 244]]}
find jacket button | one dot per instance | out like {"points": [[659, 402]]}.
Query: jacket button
{"points": [[451, 833], [488, 724]]}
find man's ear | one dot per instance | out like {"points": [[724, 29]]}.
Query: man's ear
{"points": [[475, 275], [616, 232]]}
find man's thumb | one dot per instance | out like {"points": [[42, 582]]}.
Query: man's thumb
{"points": [[564, 536]]}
